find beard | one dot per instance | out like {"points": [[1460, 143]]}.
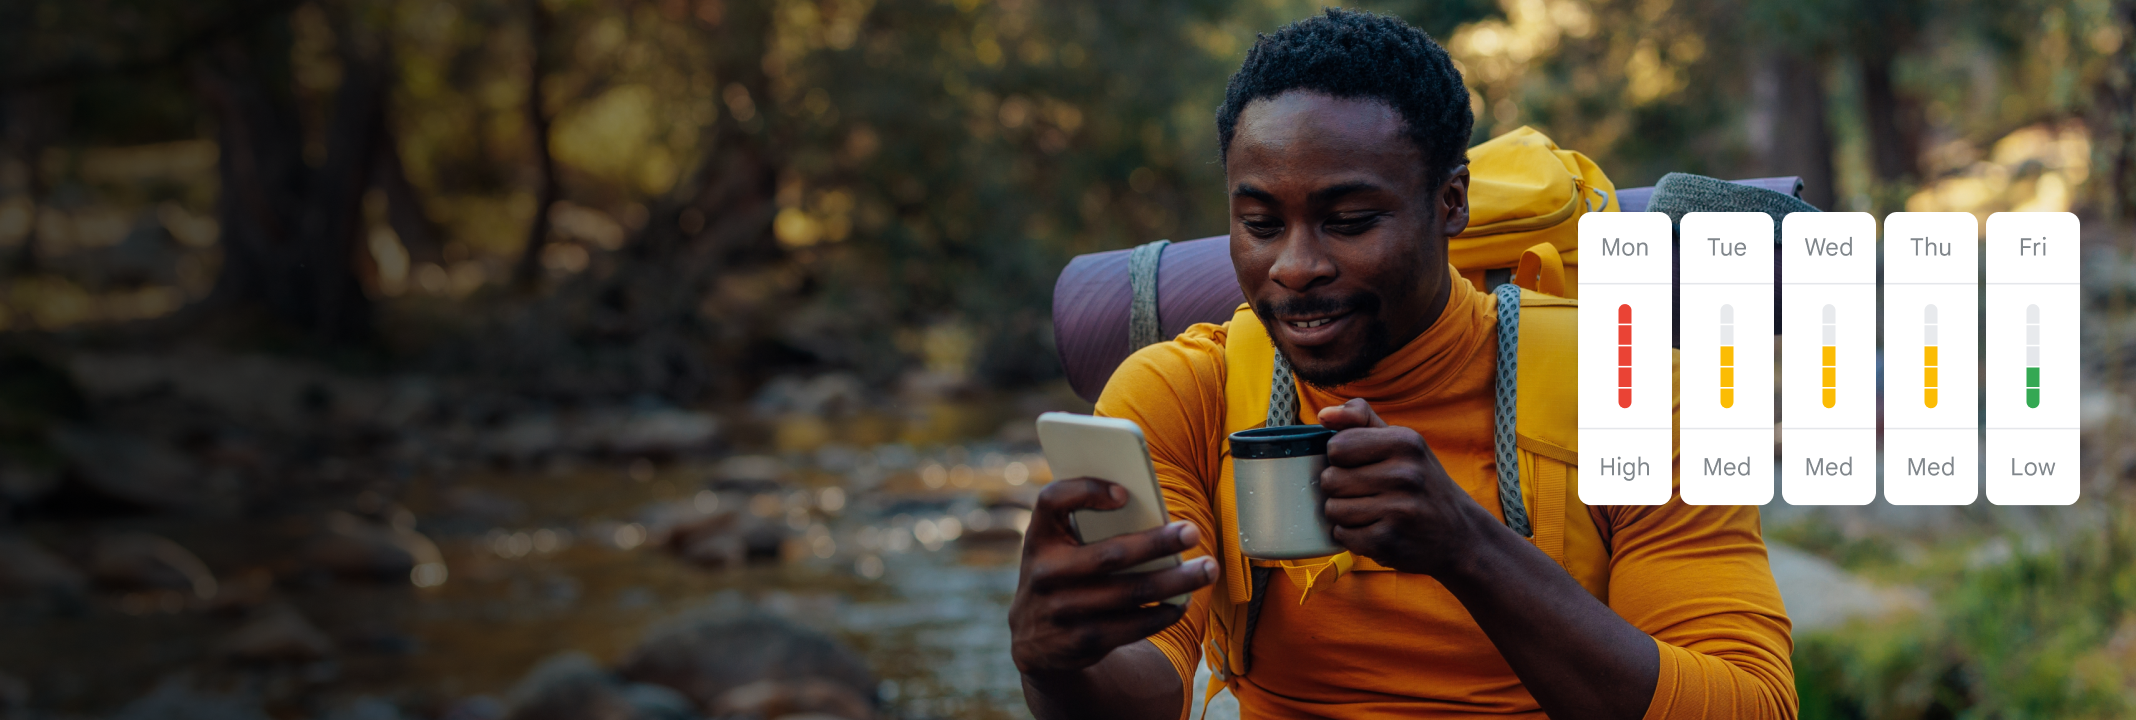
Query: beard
{"points": [[1329, 373]]}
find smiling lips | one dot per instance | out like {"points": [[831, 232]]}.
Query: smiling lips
{"points": [[1315, 331]]}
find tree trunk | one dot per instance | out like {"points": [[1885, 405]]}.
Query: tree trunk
{"points": [[2113, 125], [35, 119], [1788, 125], [290, 232], [404, 207], [1895, 120], [527, 274]]}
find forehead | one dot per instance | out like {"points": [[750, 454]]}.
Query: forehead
{"points": [[1303, 131]]}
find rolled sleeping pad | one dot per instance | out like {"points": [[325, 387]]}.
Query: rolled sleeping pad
{"points": [[1195, 284]]}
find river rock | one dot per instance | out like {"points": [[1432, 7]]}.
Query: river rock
{"points": [[139, 562], [14, 697], [278, 634], [128, 470], [571, 687], [784, 665], [807, 697], [664, 431], [717, 540], [175, 698], [357, 549], [27, 571], [655, 431]]}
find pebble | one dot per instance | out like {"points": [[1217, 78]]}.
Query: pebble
{"points": [[713, 654], [140, 562], [26, 570], [278, 634], [353, 548]]}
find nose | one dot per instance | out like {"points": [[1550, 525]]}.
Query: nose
{"points": [[1302, 263]]}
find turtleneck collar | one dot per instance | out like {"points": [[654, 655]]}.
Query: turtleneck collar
{"points": [[1422, 368]]}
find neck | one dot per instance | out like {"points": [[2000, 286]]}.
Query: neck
{"points": [[1437, 286]]}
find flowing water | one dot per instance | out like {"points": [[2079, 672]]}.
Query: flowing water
{"points": [[907, 555]]}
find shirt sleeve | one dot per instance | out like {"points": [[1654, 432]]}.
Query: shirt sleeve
{"points": [[1696, 578], [1175, 391]]}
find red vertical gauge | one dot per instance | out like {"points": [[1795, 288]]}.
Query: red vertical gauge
{"points": [[1624, 356]]}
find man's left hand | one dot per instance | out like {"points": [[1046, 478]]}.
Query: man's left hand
{"points": [[1389, 499]]}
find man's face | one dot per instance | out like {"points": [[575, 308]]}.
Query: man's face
{"points": [[1338, 232]]}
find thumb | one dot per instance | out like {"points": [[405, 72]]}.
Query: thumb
{"points": [[1353, 414]]}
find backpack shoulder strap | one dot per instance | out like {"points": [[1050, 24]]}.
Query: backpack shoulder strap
{"points": [[1545, 435], [1505, 418]]}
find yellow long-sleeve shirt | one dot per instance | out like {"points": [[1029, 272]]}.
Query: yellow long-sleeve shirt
{"points": [[1387, 644]]}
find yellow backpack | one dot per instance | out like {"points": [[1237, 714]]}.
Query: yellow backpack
{"points": [[1526, 197]]}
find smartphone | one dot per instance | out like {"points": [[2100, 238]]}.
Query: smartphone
{"points": [[1108, 449]]}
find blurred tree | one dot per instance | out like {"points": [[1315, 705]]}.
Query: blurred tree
{"points": [[291, 191], [290, 227], [2112, 116], [540, 29], [697, 194]]}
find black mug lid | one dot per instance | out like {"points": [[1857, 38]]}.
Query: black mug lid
{"points": [[1287, 441]]}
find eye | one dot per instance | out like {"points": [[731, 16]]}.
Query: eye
{"points": [[1261, 226], [1354, 223]]}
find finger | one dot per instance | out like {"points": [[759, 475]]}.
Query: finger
{"points": [[1353, 414], [1363, 540], [1355, 512], [1074, 566], [1366, 481], [1364, 446], [1131, 590], [1049, 516], [1100, 634]]}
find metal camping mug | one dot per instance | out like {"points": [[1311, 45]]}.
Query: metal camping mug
{"points": [[1275, 478]]}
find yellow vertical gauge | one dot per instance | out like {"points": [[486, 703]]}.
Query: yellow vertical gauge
{"points": [[1831, 356], [1727, 356]]}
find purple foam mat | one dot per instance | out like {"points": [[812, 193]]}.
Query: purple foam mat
{"points": [[1195, 284]]}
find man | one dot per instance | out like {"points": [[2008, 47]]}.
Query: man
{"points": [[1343, 139]]}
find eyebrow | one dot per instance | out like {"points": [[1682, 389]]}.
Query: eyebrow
{"points": [[1245, 190], [1318, 197], [1332, 192]]}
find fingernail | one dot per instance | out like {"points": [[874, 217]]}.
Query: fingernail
{"points": [[1208, 567], [1186, 532], [1117, 493]]}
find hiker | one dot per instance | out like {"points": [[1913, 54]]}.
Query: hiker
{"points": [[1342, 138]]}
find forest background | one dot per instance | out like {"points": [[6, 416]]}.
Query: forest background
{"points": [[734, 209]]}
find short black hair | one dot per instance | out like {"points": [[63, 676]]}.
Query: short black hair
{"points": [[1356, 54]]}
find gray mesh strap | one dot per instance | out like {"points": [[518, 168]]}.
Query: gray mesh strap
{"points": [[1509, 497], [1142, 327], [1282, 395], [1282, 410]]}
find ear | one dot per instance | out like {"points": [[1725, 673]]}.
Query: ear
{"points": [[1454, 202]]}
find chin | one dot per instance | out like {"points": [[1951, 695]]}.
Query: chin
{"points": [[1336, 364]]}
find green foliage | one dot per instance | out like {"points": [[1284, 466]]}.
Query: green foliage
{"points": [[2046, 634], [828, 183], [1825, 539]]}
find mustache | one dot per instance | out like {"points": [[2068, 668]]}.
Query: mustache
{"points": [[1363, 303]]}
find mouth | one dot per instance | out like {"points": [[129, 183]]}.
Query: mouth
{"points": [[1310, 331]]}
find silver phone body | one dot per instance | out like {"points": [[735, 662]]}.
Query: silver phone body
{"points": [[1109, 449]]}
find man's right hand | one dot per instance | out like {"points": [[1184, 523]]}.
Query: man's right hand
{"points": [[1070, 609]]}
